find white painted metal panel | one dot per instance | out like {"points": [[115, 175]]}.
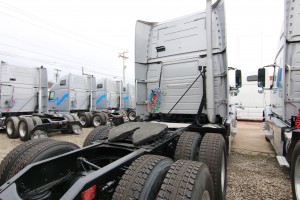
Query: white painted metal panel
{"points": [[20, 87], [176, 49]]}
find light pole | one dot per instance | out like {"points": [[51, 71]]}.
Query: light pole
{"points": [[56, 74], [122, 55]]}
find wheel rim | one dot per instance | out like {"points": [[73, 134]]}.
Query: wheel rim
{"points": [[97, 121], [9, 128], [205, 195], [82, 120], [223, 172], [22, 129], [297, 177], [131, 116]]}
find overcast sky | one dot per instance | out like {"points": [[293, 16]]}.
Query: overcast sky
{"points": [[70, 34]]}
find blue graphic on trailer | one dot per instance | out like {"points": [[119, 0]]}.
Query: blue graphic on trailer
{"points": [[100, 98], [126, 98], [58, 102]]}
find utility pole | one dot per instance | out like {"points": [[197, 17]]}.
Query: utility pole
{"points": [[56, 74], [122, 55]]}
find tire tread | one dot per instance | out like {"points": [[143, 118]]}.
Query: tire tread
{"points": [[134, 179], [185, 145], [98, 133], [180, 181], [12, 157], [209, 153]]}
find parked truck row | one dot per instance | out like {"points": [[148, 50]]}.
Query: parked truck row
{"points": [[179, 148], [28, 111], [94, 101]]}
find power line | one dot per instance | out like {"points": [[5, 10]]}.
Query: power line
{"points": [[50, 63], [43, 21], [69, 36], [36, 18], [67, 60], [50, 50]]}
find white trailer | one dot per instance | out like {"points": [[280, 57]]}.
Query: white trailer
{"points": [[24, 104], [282, 115]]}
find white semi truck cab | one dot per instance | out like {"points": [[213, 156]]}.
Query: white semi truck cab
{"points": [[282, 115], [181, 71]]}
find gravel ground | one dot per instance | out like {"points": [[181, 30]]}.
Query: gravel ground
{"points": [[257, 177], [250, 175]]}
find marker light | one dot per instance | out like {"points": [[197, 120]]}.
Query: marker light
{"points": [[89, 194], [297, 122]]}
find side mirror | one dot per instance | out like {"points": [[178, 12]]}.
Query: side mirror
{"points": [[261, 77], [238, 78]]}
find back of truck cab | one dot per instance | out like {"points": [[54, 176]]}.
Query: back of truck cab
{"points": [[171, 56], [19, 88]]}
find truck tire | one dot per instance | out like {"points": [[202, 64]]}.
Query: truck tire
{"points": [[187, 147], [295, 171], [25, 127], [90, 114], [187, 180], [85, 119], [132, 115], [143, 179], [98, 120], [31, 152], [12, 157], [213, 153], [36, 120], [105, 115], [98, 133], [117, 118], [75, 117], [12, 127]]}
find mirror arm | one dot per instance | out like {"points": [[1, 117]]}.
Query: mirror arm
{"points": [[272, 65]]}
